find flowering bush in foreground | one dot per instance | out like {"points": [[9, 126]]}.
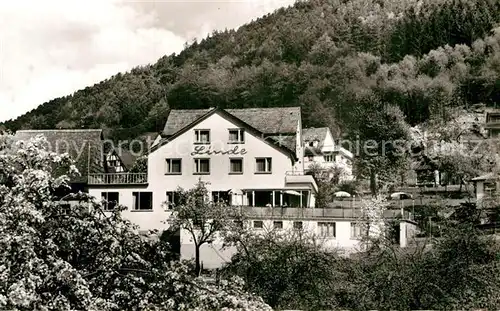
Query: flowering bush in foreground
{"points": [[54, 258]]}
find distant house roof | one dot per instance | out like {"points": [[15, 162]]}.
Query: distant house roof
{"points": [[282, 120], [317, 151], [312, 151], [84, 147], [489, 176], [315, 133]]}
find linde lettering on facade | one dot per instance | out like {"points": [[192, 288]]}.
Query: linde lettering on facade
{"points": [[201, 150]]}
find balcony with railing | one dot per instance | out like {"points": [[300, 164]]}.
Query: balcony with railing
{"points": [[299, 177], [315, 213], [118, 179]]}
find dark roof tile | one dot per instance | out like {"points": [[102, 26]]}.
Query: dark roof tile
{"points": [[314, 133], [179, 119], [282, 120]]}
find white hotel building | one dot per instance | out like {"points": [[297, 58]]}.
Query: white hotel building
{"points": [[253, 158]]}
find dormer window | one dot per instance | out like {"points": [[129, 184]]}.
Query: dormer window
{"points": [[202, 136], [236, 136]]}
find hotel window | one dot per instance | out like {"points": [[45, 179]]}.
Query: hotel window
{"points": [[236, 166], [238, 224], [263, 165], [143, 200], [278, 225], [110, 200], [356, 230], [329, 158], [202, 166], [326, 229], [173, 166], [221, 196], [258, 224], [236, 136], [297, 225], [173, 199], [202, 136]]}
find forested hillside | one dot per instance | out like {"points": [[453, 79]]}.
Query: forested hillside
{"points": [[333, 58]]}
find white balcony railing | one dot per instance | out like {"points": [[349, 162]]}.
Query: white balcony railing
{"points": [[118, 179], [315, 213], [298, 177]]}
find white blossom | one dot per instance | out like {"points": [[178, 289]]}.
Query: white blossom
{"points": [[84, 260]]}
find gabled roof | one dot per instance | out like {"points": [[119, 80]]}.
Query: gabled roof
{"points": [[179, 119], [315, 133], [317, 151], [286, 133], [281, 120], [84, 147]]}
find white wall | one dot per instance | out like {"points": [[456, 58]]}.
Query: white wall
{"points": [[214, 256], [219, 178], [339, 161]]}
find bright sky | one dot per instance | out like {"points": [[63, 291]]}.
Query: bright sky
{"points": [[53, 48]]}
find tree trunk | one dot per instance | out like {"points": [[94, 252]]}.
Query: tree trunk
{"points": [[373, 183], [197, 267]]}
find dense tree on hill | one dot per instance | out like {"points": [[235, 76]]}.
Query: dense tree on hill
{"points": [[380, 143], [422, 56]]}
